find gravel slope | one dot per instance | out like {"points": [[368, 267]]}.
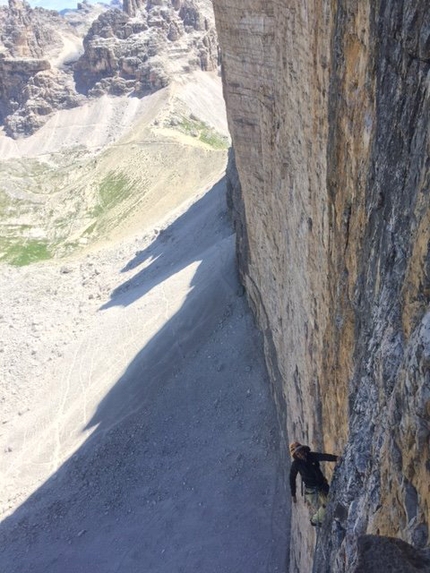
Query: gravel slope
{"points": [[137, 430]]}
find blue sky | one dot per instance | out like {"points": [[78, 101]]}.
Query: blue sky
{"points": [[52, 4]]}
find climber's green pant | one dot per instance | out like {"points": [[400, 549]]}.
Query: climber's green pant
{"points": [[317, 499]]}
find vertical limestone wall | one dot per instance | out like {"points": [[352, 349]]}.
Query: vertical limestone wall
{"points": [[328, 106]]}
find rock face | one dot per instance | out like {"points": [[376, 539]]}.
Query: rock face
{"points": [[34, 80], [50, 62], [328, 109], [374, 553], [29, 33], [139, 49], [30, 90]]}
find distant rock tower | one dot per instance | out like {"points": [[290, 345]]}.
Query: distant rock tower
{"points": [[132, 7], [17, 5]]}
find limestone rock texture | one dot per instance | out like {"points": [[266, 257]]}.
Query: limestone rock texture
{"points": [[26, 32], [37, 47], [30, 90], [139, 49], [328, 107], [50, 61]]}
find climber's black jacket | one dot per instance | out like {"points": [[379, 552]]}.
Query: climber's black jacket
{"points": [[309, 470]]}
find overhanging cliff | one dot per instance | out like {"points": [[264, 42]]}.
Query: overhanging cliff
{"points": [[328, 107]]}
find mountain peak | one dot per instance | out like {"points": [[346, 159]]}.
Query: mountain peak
{"points": [[96, 51]]}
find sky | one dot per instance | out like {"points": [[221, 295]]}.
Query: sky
{"points": [[52, 4]]}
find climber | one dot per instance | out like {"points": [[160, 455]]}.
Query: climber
{"points": [[316, 485]]}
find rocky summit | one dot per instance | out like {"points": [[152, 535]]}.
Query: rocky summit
{"points": [[51, 61], [139, 49]]}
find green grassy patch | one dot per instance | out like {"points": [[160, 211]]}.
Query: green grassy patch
{"points": [[22, 254], [214, 139], [113, 189], [203, 132]]}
